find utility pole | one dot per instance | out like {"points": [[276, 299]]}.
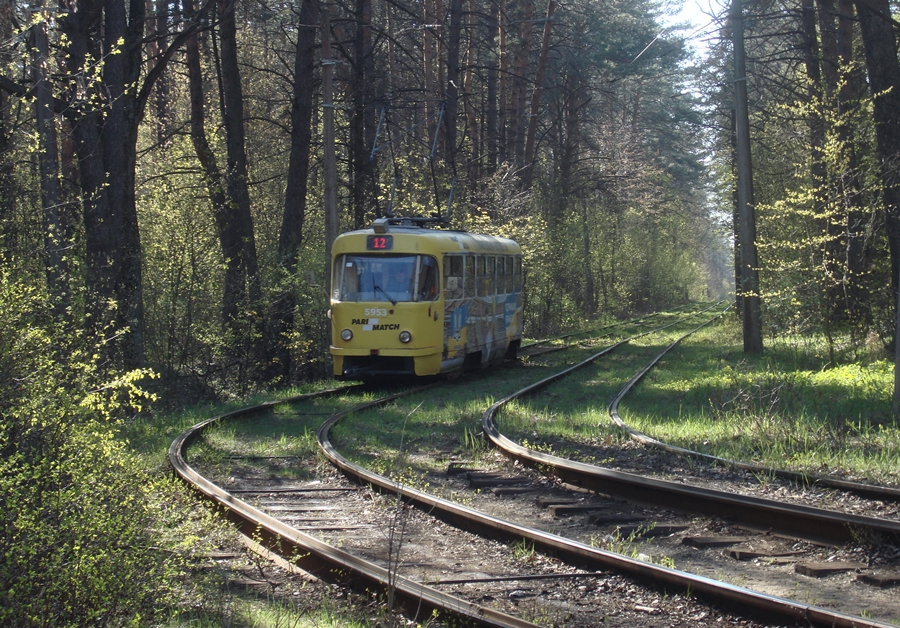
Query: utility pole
{"points": [[328, 158], [896, 403], [749, 260]]}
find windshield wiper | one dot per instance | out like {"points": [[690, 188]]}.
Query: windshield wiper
{"points": [[381, 290]]}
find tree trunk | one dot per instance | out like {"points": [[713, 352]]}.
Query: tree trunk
{"points": [[57, 226], [503, 94], [294, 214], [428, 55], [474, 161], [844, 259], [536, 98], [856, 295], [234, 291], [329, 165], [452, 91], [7, 181], [160, 26], [811, 58], [237, 173], [492, 96], [736, 223], [749, 260], [104, 117], [362, 125], [518, 123], [106, 137], [831, 252], [883, 70]]}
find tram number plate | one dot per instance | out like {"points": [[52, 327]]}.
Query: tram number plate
{"points": [[379, 243]]}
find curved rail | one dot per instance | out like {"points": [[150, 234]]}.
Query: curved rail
{"points": [[803, 522], [586, 332], [575, 553], [418, 600], [867, 490], [634, 488], [634, 321]]}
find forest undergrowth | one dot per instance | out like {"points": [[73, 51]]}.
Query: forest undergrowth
{"points": [[792, 406]]}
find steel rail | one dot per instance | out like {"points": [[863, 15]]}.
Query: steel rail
{"points": [[596, 330], [418, 600], [314, 556], [747, 601], [564, 347], [587, 332], [867, 490], [803, 522]]}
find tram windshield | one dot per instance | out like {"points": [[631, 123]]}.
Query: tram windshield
{"points": [[393, 278]]}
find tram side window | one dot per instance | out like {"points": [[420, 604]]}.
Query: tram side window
{"points": [[510, 275], [337, 275], [490, 271], [453, 276], [470, 276], [426, 289], [501, 275], [479, 276], [519, 276], [492, 275]]}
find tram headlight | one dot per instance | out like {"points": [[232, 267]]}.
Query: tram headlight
{"points": [[346, 335], [405, 337]]}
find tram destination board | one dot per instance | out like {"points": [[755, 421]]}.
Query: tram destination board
{"points": [[379, 242]]}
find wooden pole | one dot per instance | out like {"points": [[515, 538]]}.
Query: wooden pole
{"points": [[328, 158], [896, 405], [749, 260]]}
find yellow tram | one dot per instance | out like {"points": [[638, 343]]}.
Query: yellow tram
{"points": [[411, 300]]}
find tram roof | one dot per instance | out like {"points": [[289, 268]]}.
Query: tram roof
{"points": [[447, 240]]}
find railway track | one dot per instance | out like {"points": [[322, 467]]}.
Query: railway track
{"points": [[810, 524], [564, 341], [312, 554], [866, 490], [417, 598]]}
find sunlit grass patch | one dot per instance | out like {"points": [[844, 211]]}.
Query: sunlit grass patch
{"points": [[785, 409], [538, 424], [272, 613], [437, 421]]}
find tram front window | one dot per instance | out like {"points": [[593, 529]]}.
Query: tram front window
{"points": [[385, 278]]}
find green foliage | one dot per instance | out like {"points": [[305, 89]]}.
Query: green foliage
{"points": [[523, 551], [183, 289], [88, 537], [805, 224], [182, 283]]}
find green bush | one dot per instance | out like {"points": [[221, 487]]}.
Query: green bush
{"points": [[85, 533]]}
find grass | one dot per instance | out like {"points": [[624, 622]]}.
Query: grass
{"points": [[631, 545], [446, 418], [251, 612], [784, 409]]}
